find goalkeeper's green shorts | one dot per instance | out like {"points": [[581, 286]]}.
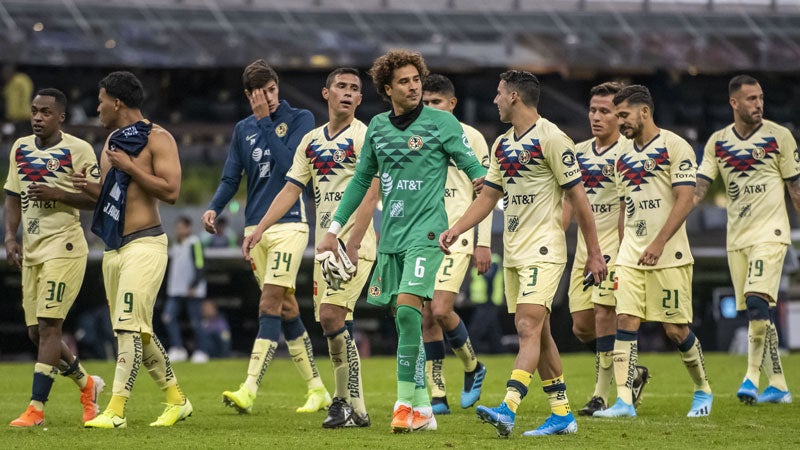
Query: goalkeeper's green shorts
{"points": [[410, 272]]}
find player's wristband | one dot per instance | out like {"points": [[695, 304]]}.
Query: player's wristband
{"points": [[335, 228]]}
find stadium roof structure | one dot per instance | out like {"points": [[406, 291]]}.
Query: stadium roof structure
{"points": [[702, 36]]}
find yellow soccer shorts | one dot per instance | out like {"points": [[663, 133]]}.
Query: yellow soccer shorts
{"points": [[132, 276], [452, 272], [580, 300], [49, 289], [656, 295], [277, 256], [535, 284], [345, 297], [757, 269]]}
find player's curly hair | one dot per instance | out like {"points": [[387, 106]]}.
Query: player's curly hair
{"points": [[383, 68]]}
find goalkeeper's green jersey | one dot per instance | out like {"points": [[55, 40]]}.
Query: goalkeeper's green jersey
{"points": [[409, 154]]}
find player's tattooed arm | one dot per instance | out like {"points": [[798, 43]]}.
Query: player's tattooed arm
{"points": [[700, 190], [794, 192]]}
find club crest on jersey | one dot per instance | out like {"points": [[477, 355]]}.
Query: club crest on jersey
{"points": [[281, 129], [568, 158], [608, 170], [339, 155], [374, 291], [650, 164], [415, 142], [759, 153], [524, 157], [53, 164]]}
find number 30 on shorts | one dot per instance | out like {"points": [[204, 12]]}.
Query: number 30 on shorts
{"points": [[55, 291]]}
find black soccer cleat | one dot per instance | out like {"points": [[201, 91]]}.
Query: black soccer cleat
{"points": [[339, 413], [358, 421], [642, 376], [595, 404]]}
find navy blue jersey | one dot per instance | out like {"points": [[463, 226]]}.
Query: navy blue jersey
{"points": [[263, 150]]}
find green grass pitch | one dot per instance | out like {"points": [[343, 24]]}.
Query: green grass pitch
{"points": [[662, 421]]}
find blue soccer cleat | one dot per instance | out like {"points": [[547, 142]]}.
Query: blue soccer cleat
{"points": [[555, 425], [748, 392], [701, 404], [774, 395], [500, 417], [619, 409], [473, 382], [440, 406]]}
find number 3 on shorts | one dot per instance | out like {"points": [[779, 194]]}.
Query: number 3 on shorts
{"points": [[419, 269]]}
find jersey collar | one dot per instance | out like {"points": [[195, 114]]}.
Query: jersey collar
{"points": [[330, 138], [744, 138], [517, 139], [594, 147], [282, 110], [636, 147], [404, 121]]}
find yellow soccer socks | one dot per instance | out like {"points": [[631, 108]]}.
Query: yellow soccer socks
{"points": [[626, 354], [301, 351], [517, 388], [556, 391]]}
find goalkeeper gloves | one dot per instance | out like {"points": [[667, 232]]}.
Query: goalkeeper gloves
{"points": [[336, 271]]}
